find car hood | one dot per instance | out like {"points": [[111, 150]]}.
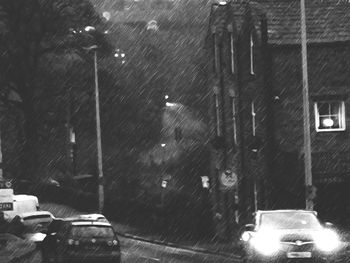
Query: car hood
{"points": [[292, 235]]}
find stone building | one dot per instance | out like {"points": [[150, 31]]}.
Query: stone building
{"points": [[255, 51]]}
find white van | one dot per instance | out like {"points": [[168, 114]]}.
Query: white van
{"points": [[22, 204]]}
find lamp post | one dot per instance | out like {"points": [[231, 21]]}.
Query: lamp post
{"points": [[309, 204], [98, 131], [94, 48]]}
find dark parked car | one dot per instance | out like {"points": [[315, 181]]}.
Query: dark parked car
{"points": [[288, 235], [75, 240]]}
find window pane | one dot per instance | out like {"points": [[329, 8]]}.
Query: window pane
{"points": [[92, 231], [334, 106], [323, 108]]}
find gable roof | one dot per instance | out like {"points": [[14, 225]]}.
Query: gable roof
{"points": [[327, 21]]}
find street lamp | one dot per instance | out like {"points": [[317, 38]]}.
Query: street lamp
{"points": [[98, 128], [94, 48]]}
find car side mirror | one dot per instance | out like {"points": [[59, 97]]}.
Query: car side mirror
{"points": [[249, 227], [329, 225]]}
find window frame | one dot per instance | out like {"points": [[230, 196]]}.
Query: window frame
{"points": [[251, 53], [341, 115]]}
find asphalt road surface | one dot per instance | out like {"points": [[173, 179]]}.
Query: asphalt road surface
{"points": [[134, 251]]}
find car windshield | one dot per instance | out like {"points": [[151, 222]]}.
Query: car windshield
{"points": [[289, 220], [92, 232]]}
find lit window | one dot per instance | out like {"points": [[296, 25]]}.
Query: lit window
{"points": [[330, 115], [251, 53]]}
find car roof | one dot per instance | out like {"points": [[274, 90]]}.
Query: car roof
{"points": [[286, 211], [95, 216], [91, 223], [36, 213]]}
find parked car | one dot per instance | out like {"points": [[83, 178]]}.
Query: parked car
{"points": [[81, 241], [94, 217], [35, 225], [289, 234]]}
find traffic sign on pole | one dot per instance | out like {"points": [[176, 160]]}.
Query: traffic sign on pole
{"points": [[228, 179]]}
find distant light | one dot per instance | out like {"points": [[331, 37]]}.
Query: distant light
{"points": [[169, 104], [205, 181], [89, 28], [163, 145], [166, 97], [106, 32], [106, 15], [152, 25], [116, 55], [164, 184], [222, 3], [72, 135], [122, 55], [328, 122], [123, 61]]}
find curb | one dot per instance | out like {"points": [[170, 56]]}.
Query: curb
{"points": [[175, 245]]}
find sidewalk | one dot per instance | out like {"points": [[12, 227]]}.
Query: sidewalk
{"points": [[169, 239]]}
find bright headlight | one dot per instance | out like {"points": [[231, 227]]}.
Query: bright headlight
{"points": [[266, 243], [245, 236], [327, 240]]}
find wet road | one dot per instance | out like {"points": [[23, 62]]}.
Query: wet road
{"points": [[134, 251]]}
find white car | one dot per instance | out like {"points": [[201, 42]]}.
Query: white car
{"points": [[284, 235]]}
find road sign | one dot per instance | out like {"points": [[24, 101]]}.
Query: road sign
{"points": [[228, 179], [6, 199], [6, 206]]}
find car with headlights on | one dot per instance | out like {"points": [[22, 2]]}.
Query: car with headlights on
{"points": [[288, 236], [81, 241]]}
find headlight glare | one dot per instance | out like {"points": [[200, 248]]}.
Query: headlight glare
{"points": [[327, 240], [246, 236], [266, 243]]}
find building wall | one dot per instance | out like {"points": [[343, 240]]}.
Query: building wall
{"points": [[328, 68]]}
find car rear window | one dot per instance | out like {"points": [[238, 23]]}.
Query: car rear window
{"points": [[92, 232]]}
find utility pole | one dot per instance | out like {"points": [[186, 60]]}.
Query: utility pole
{"points": [[1, 165], [306, 110], [99, 142]]}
